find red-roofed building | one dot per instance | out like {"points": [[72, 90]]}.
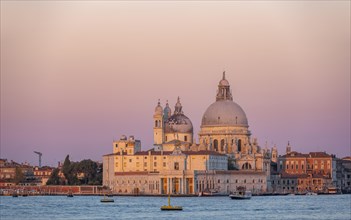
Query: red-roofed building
{"points": [[315, 171]]}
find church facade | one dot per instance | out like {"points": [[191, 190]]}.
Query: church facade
{"points": [[224, 158]]}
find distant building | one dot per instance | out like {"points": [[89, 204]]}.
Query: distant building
{"points": [[8, 172], [297, 172], [42, 174]]}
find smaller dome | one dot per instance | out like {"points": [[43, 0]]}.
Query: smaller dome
{"points": [[167, 110], [178, 123]]}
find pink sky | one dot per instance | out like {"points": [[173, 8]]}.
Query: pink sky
{"points": [[76, 75]]}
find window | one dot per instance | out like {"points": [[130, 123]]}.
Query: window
{"points": [[222, 145], [155, 164], [166, 138], [116, 145], [215, 144], [176, 165], [130, 160], [155, 158], [297, 166], [164, 164], [145, 164], [116, 164], [239, 145], [185, 138]]}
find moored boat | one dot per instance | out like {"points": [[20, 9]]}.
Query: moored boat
{"points": [[107, 199], [241, 193]]}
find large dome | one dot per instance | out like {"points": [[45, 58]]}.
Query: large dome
{"points": [[178, 123], [224, 113]]}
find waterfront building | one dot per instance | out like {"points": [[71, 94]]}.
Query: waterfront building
{"points": [[42, 174], [298, 172], [177, 164]]}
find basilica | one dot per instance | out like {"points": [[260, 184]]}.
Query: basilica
{"points": [[224, 129], [225, 156]]}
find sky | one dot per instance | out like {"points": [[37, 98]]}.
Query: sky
{"points": [[77, 75]]}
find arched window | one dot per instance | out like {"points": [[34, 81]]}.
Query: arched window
{"points": [[222, 145], [246, 166], [215, 145], [159, 123], [156, 123], [239, 145]]}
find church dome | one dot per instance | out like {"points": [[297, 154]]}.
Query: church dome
{"points": [[178, 123], [224, 113]]}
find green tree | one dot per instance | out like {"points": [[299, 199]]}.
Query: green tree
{"points": [[54, 178], [19, 176], [66, 166]]}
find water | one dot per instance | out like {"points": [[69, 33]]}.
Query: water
{"points": [[90, 207]]}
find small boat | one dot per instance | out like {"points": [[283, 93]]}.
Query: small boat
{"points": [[311, 194], [106, 199], [69, 194], [209, 193], [169, 207], [14, 195], [241, 193]]}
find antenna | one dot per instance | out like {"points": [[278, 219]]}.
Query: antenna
{"points": [[40, 154]]}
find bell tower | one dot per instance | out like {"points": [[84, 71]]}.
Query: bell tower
{"points": [[158, 124]]}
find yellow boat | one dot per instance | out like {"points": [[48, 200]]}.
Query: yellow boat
{"points": [[169, 207]]}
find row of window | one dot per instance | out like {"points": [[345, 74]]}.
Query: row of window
{"points": [[236, 181]]}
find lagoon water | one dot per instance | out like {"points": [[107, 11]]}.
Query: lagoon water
{"points": [[90, 207]]}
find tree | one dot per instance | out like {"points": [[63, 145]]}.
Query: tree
{"points": [[19, 176], [66, 166], [54, 178]]}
